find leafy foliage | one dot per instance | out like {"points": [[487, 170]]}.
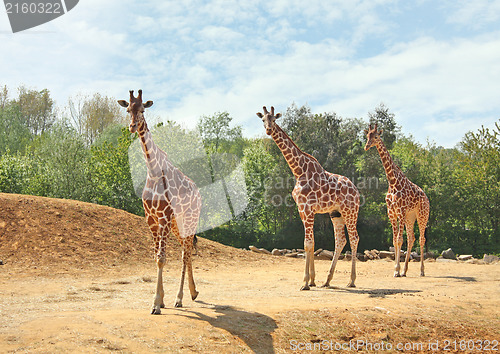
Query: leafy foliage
{"points": [[90, 159]]}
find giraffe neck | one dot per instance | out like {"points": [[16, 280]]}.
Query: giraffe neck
{"points": [[150, 150], [290, 151], [391, 169]]}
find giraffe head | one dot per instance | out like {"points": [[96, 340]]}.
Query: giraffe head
{"points": [[372, 136], [136, 109], [269, 118]]}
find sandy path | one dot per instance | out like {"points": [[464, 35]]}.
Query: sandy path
{"points": [[246, 307]]}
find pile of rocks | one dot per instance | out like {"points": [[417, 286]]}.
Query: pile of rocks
{"points": [[446, 256], [449, 256]]}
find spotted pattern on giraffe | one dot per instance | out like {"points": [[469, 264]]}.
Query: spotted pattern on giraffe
{"points": [[172, 202], [406, 202], [318, 191]]}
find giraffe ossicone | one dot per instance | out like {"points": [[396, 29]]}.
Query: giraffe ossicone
{"points": [[318, 191], [172, 202], [406, 202]]}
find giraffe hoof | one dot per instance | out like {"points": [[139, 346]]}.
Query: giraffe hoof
{"points": [[403, 275], [351, 285], [195, 295], [156, 311], [162, 306], [312, 284], [396, 275], [422, 274], [326, 285], [305, 287], [178, 303]]}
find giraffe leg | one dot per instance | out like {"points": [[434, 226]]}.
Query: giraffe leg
{"points": [[340, 241], [398, 242], [353, 240], [309, 273], [192, 285], [180, 293], [160, 263], [422, 228], [410, 239]]}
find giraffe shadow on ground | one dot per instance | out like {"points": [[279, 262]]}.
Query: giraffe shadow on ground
{"points": [[253, 328], [380, 293], [466, 279]]}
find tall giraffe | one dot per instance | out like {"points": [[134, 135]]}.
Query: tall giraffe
{"points": [[318, 191], [172, 202], [406, 202]]}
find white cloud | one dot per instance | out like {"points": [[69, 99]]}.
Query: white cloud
{"points": [[476, 13], [198, 57]]}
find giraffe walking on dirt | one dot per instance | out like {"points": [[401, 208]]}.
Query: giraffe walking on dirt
{"points": [[406, 202], [172, 202], [318, 191]]}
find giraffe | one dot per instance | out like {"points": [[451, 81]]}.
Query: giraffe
{"points": [[318, 191], [406, 202], [172, 202]]}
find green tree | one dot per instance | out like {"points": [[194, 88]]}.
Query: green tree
{"points": [[64, 161], [37, 109], [478, 176], [110, 175], [92, 115]]}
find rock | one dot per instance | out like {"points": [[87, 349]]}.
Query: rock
{"points": [[475, 261], [392, 249], [324, 254], [445, 260], [291, 254], [448, 254], [386, 254], [259, 250], [318, 251], [490, 258], [300, 250], [429, 255], [465, 257], [371, 255], [276, 252], [301, 255]]}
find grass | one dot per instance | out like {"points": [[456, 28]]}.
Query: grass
{"points": [[326, 328]]}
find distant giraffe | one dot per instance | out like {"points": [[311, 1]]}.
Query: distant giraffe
{"points": [[318, 191], [172, 202], [406, 202]]}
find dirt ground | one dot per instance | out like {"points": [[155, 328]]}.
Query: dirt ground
{"points": [[80, 278]]}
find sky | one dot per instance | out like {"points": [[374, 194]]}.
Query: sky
{"points": [[435, 65]]}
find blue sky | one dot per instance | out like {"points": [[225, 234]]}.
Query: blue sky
{"points": [[436, 65]]}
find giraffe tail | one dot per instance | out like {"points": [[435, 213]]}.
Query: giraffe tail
{"points": [[195, 244]]}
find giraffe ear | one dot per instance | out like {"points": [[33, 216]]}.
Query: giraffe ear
{"points": [[148, 104], [123, 103], [278, 115], [260, 115], [381, 132], [366, 131]]}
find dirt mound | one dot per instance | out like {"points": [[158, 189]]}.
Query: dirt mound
{"points": [[38, 232]]}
